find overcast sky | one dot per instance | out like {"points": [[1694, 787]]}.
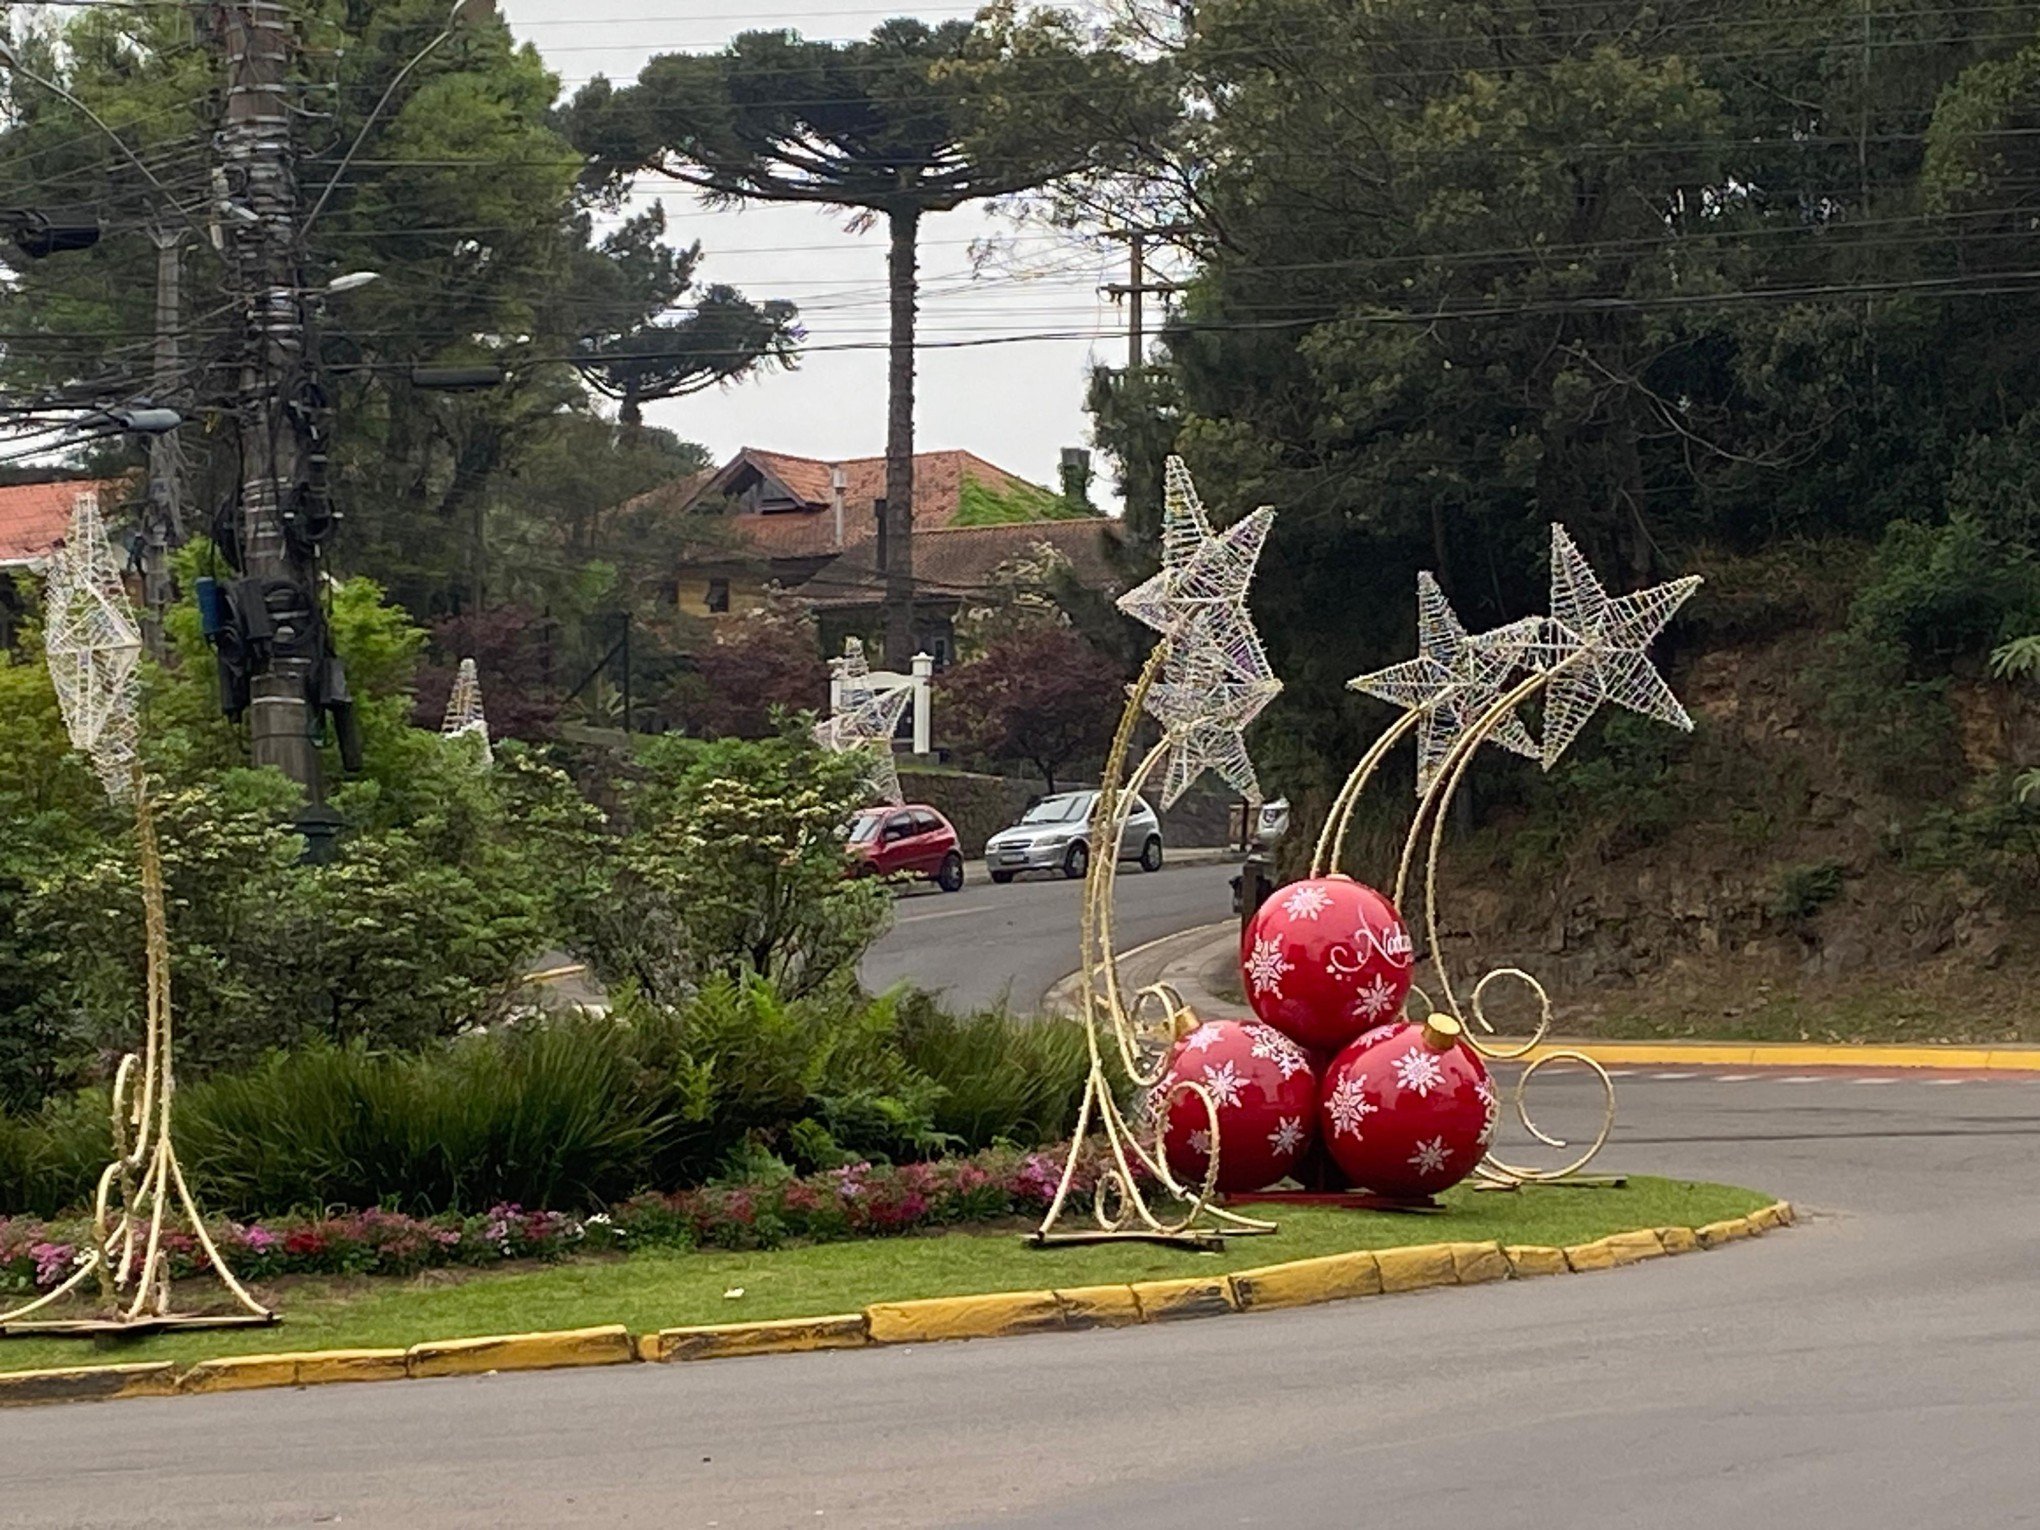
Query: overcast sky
{"points": [[1016, 403]]}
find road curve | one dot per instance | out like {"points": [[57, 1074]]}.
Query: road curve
{"points": [[1874, 1367], [987, 944]]}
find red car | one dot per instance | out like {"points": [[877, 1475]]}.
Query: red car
{"points": [[912, 841]]}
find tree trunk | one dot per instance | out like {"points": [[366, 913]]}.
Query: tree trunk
{"points": [[904, 224]]}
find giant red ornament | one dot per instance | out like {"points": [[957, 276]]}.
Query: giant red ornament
{"points": [[1266, 1092], [1408, 1111], [1325, 959]]}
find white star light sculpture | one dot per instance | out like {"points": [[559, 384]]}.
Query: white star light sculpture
{"points": [[464, 709], [1215, 679], [1454, 680], [94, 649], [864, 720], [1595, 649]]}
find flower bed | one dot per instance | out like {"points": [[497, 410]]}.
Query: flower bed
{"points": [[857, 1201]]}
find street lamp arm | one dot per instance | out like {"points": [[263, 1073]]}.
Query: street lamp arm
{"points": [[9, 58]]}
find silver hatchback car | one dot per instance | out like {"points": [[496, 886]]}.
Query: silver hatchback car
{"points": [[1055, 835]]}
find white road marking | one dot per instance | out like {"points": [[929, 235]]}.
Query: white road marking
{"points": [[1802, 1078], [1735, 1078], [1945, 1081], [1675, 1075], [947, 913], [1876, 1080]]}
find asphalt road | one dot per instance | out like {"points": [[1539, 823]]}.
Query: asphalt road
{"points": [[1877, 1366], [988, 944]]}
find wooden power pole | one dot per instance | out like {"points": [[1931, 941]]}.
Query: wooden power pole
{"points": [[1137, 286], [277, 603]]}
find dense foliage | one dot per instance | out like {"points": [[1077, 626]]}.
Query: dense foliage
{"points": [[575, 1113], [1705, 282], [463, 199]]}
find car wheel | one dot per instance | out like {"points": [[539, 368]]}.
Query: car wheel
{"points": [[1002, 877], [1077, 861], [1151, 854], [950, 877]]}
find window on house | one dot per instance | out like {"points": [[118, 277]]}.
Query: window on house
{"points": [[669, 592], [718, 594]]}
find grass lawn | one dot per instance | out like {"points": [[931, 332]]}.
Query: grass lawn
{"points": [[660, 1289]]}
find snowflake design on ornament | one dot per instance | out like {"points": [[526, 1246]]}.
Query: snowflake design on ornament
{"points": [[1287, 1136], [1348, 1105], [1277, 1048], [1199, 1142], [1376, 999], [1430, 1157], [1266, 966], [1224, 1082], [1306, 903], [1418, 1069], [1491, 1110], [1202, 1039]]}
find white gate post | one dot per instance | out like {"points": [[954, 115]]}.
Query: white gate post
{"points": [[924, 668]]}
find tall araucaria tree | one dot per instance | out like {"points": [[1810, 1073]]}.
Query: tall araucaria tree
{"points": [[911, 121]]}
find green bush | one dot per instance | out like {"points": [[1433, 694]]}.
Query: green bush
{"points": [[572, 1113], [723, 858], [1803, 891], [1003, 1078]]}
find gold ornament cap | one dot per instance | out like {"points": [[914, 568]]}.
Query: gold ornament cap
{"points": [[1184, 1022], [1442, 1033]]}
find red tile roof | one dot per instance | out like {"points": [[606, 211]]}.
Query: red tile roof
{"points": [[810, 531], [35, 516]]}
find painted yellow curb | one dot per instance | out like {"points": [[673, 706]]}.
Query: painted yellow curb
{"points": [[963, 1317], [1299, 1283], [1164, 1301], [1780, 1054], [244, 1373], [1099, 1307], [1306, 1282], [1529, 1259], [87, 1383], [1414, 1268], [1715, 1234], [785, 1336], [608, 1345]]}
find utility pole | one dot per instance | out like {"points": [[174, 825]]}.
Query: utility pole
{"points": [[276, 602], [163, 514], [1137, 286]]}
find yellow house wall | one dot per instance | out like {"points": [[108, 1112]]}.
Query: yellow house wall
{"points": [[747, 590]]}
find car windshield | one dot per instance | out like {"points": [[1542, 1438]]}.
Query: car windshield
{"points": [[864, 829], [1058, 809]]}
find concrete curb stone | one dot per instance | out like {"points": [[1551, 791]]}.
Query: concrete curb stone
{"points": [[1298, 1283]]}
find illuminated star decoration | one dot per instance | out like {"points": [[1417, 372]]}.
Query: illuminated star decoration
{"points": [[1595, 649], [864, 720], [1215, 679], [1453, 681], [464, 716], [94, 648]]}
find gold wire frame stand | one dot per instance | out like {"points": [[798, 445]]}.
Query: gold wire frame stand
{"points": [[1427, 828], [1137, 1032], [127, 1257]]}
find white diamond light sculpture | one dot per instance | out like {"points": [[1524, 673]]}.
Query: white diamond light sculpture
{"points": [[1454, 680], [865, 720], [1595, 645], [94, 648], [464, 716]]}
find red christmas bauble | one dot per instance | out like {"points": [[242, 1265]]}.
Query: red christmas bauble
{"points": [[1266, 1092], [1409, 1111], [1325, 959]]}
